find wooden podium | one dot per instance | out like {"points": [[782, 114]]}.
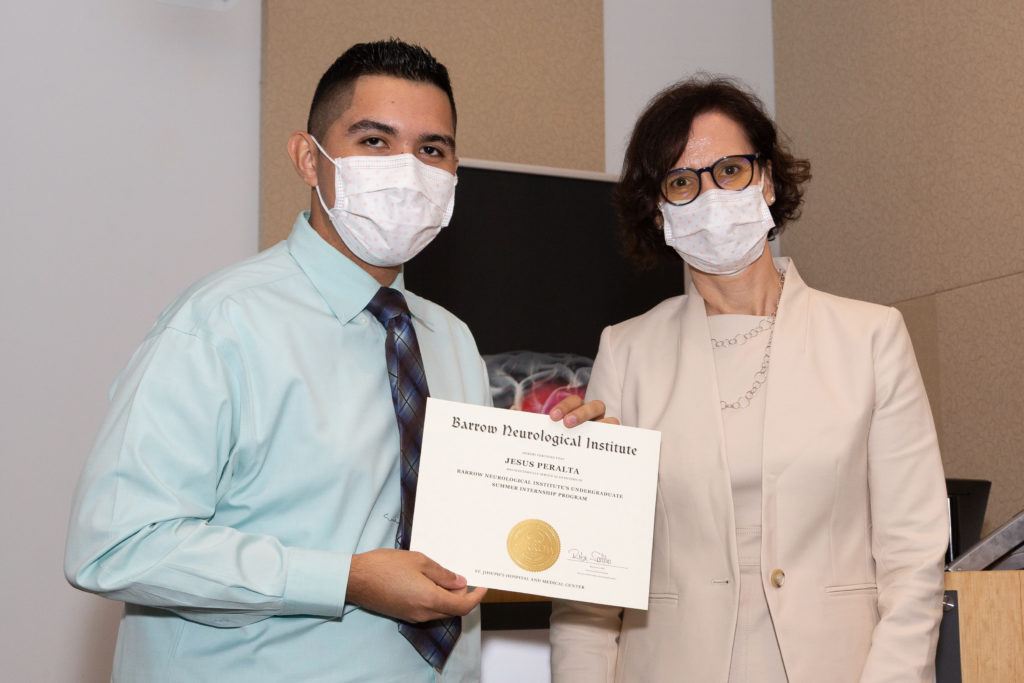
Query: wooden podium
{"points": [[990, 611]]}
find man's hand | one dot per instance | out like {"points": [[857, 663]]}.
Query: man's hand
{"points": [[573, 411], [409, 586]]}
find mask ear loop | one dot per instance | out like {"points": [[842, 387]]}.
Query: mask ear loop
{"points": [[771, 199], [317, 188], [321, 198], [322, 150]]}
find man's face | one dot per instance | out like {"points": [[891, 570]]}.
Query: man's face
{"points": [[388, 116]]}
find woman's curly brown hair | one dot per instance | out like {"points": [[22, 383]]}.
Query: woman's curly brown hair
{"points": [[658, 140]]}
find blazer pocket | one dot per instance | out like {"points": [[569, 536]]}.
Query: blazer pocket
{"points": [[663, 597], [852, 589]]}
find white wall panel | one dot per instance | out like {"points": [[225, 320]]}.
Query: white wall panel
{"points": [[649, 44], [130, 169]]}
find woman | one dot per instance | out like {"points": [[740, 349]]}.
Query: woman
{"points": [[800, 524]]}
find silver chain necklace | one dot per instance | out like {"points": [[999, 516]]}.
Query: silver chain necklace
{"points": [[761, 376], [742, 338]]}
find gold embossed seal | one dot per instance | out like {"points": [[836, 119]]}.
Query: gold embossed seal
{"points": [[534, 545]]}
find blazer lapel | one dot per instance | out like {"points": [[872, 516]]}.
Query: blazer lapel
{"points": [[782, 399], [695, 424]]}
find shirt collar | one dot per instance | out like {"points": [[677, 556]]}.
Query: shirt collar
{"points": [[345, 286]]}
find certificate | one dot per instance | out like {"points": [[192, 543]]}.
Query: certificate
{"points": [[514, 501]]}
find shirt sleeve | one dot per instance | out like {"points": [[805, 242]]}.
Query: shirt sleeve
{"points": [[908, 515], [140, 528]]}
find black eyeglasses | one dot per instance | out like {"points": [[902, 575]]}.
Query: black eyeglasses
{"points": [[682, 185]]}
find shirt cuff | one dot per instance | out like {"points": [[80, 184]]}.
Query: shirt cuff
{"points": [[316, 582]]}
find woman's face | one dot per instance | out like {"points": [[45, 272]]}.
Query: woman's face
{"points": [[714, 135]]}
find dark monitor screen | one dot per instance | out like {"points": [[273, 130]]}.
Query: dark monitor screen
{"points": [[968, 499], [532, 262]]}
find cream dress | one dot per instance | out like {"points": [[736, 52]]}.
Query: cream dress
{"points": [[755, 653]]}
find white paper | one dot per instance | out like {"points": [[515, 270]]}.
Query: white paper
{"points": [[502, 494]]}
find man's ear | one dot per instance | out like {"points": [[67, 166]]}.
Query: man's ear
{"points": [[304, 156]]}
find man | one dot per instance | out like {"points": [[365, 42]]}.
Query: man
{"points": [[251, 493]]}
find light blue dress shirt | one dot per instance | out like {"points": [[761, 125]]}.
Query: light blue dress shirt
{"points": [[251, 448]]}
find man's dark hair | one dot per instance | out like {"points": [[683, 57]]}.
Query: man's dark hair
{"points": [[660, 136], [389, 57]]}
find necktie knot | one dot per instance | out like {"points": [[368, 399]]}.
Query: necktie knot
{"points": [[387, 304]]}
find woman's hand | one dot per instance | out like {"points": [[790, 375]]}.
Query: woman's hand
{"points": [[572, 411]]}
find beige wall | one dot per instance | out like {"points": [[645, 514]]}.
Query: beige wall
{"points": [[528, 79], [911, 115]]}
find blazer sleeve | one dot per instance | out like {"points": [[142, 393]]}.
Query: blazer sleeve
{"points": [[908, 515], [584, 636]]}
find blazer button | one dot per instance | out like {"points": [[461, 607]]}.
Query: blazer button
{"points": [[778, 578]]}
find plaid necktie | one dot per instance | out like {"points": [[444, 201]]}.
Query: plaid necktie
{"points": [[434, 640]]}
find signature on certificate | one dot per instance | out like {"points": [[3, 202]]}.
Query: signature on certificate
{"points": [[577, 555]]}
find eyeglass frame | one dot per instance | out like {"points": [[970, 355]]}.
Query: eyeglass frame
{"points": [[756, 156]]}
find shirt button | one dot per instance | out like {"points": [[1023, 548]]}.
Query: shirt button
{"points": [[778, 578]]}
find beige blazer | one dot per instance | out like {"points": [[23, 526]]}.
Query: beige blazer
{"points": [[853, 506]]}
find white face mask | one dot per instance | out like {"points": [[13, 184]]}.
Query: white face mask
{"points": [[387, 209], [720, 232]]}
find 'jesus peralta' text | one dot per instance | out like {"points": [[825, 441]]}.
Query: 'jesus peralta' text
{"points": [[547, 467]]}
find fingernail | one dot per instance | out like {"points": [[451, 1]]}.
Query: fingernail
{"points": [[571, 421], [461, 578], [557, 414]]}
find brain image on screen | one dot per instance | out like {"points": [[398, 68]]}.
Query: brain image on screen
{"points": [[536, 382]]}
